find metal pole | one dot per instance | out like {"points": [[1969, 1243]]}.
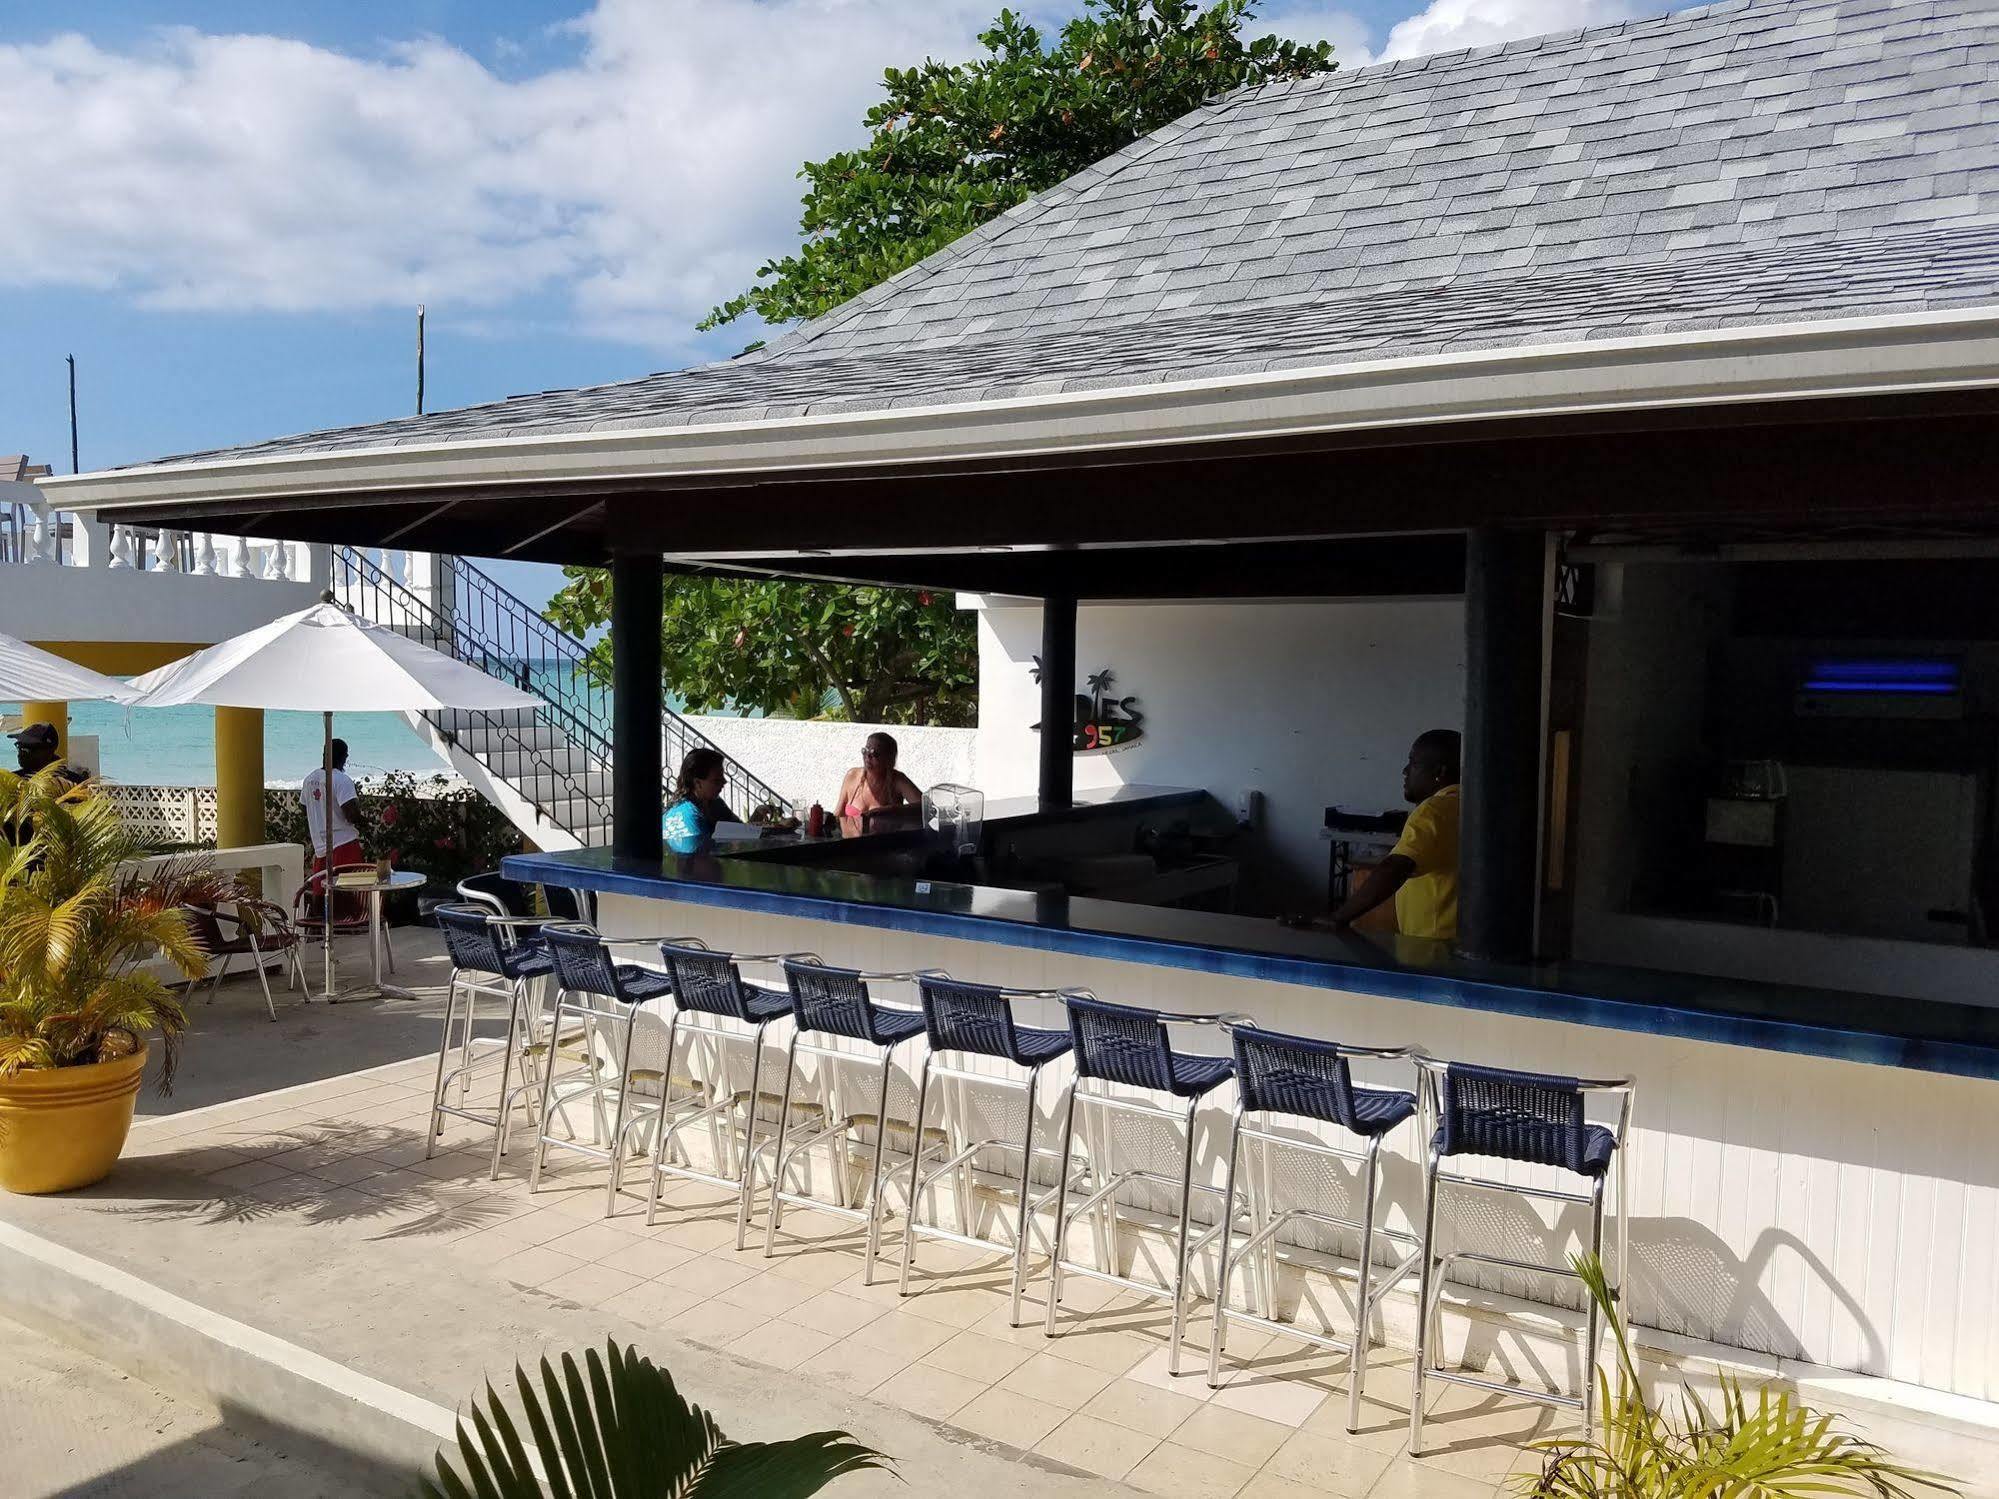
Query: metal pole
{"points": [[419, 359], [1058, 702], [1505, 598], [637, 704], [71, 359], [326, 913]]}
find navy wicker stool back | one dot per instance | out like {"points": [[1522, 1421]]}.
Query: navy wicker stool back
{"points": [[835, 1000], [1121, 1044], [978, 1018], [707, 981], [582, 962], [470, 940], [1532, 1117]]}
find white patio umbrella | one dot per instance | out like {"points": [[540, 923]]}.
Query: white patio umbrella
{"points": [[327, 660], [30, 674]]}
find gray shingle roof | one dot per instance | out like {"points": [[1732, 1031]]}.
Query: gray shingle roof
{"points": [[1750, 162]]}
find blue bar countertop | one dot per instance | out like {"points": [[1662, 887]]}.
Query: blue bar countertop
{"points": [[1928, 1035]]}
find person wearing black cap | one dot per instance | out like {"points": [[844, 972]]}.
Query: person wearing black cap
{"points": [[35, 747]]}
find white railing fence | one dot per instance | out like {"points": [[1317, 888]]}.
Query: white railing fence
{"points": [[34, 533]]}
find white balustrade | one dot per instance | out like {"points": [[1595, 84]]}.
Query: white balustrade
{"points": [[204, 555], [168, 560], [44, 538], [124, 546]]}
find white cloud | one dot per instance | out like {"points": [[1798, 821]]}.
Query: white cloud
{"points": [[645, 181], [1447, 25], [1317, 21]]}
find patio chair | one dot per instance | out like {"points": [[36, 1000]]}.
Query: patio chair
{"points": [[261, 929]]}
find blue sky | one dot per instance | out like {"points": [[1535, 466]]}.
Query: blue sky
{"points": [[228, 210]]}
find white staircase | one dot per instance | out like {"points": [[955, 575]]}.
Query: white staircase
{"points": [[549, 771]]}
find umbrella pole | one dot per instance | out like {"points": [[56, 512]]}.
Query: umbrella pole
{"points": [[326, 889]]}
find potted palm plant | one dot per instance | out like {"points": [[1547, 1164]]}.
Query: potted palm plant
{"points": [[76, 1008]]}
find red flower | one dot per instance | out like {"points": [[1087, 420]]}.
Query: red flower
{"points": [[923, 599], [848, 631], [742, 638], [391, 815], [442, 843]]}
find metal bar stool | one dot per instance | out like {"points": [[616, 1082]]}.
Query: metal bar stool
{"points": [[827, 1001], [487, 958], [1534, 1119], [708, 983], [977, 1019], [1124, 1045], [1297, 1078], [584, 967]]}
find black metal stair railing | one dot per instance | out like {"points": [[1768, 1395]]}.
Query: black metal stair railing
{"points": [[552, 772], [482, 623]]}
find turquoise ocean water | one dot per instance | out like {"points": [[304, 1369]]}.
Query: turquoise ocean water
{"points": [[176, 746]]}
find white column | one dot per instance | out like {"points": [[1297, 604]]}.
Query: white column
{"points": [[319, 564], [93, 542], [204, 555], [168, 560], [239, 558], [123, 546]]}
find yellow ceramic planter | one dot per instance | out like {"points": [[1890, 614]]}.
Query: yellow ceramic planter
{"points": [[63, 1128]]}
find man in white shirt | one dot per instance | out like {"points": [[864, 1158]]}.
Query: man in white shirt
{"points": [[346, 832]]}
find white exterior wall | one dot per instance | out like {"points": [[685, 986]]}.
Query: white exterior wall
{"points": [[122, 604], [1311, 703], [1811, 1211], [804, 759]]}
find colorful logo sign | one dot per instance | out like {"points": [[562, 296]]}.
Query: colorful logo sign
{"points": [[1103, 723]]}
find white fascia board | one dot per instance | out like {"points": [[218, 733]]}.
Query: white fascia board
{"points": [[1923, 352]]}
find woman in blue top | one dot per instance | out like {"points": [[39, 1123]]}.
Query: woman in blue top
{"points": [[689, 824]]}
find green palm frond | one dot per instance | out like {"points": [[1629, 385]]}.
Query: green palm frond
{"points": [[1772, 1448], [617, 1428], [21, 1053]]}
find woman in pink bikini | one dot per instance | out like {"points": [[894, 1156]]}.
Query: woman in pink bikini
{"points": [[873, 791]]}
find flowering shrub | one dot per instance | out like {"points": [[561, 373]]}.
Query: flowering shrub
{"points": [[434, 825]]}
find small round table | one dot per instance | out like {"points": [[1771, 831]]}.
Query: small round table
{"points": [[376, 889]]}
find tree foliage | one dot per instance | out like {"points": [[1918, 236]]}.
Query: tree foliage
{"points": [[954, 145], [868, 655]]}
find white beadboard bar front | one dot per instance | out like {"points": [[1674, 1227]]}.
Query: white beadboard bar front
{"points": [[1816, 1210]]}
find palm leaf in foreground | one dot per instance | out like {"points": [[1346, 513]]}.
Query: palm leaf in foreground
{"points": [[1775, 1448], [617, 1429]]}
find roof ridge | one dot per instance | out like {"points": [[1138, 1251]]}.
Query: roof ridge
{"points": [[1022, 213]]}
